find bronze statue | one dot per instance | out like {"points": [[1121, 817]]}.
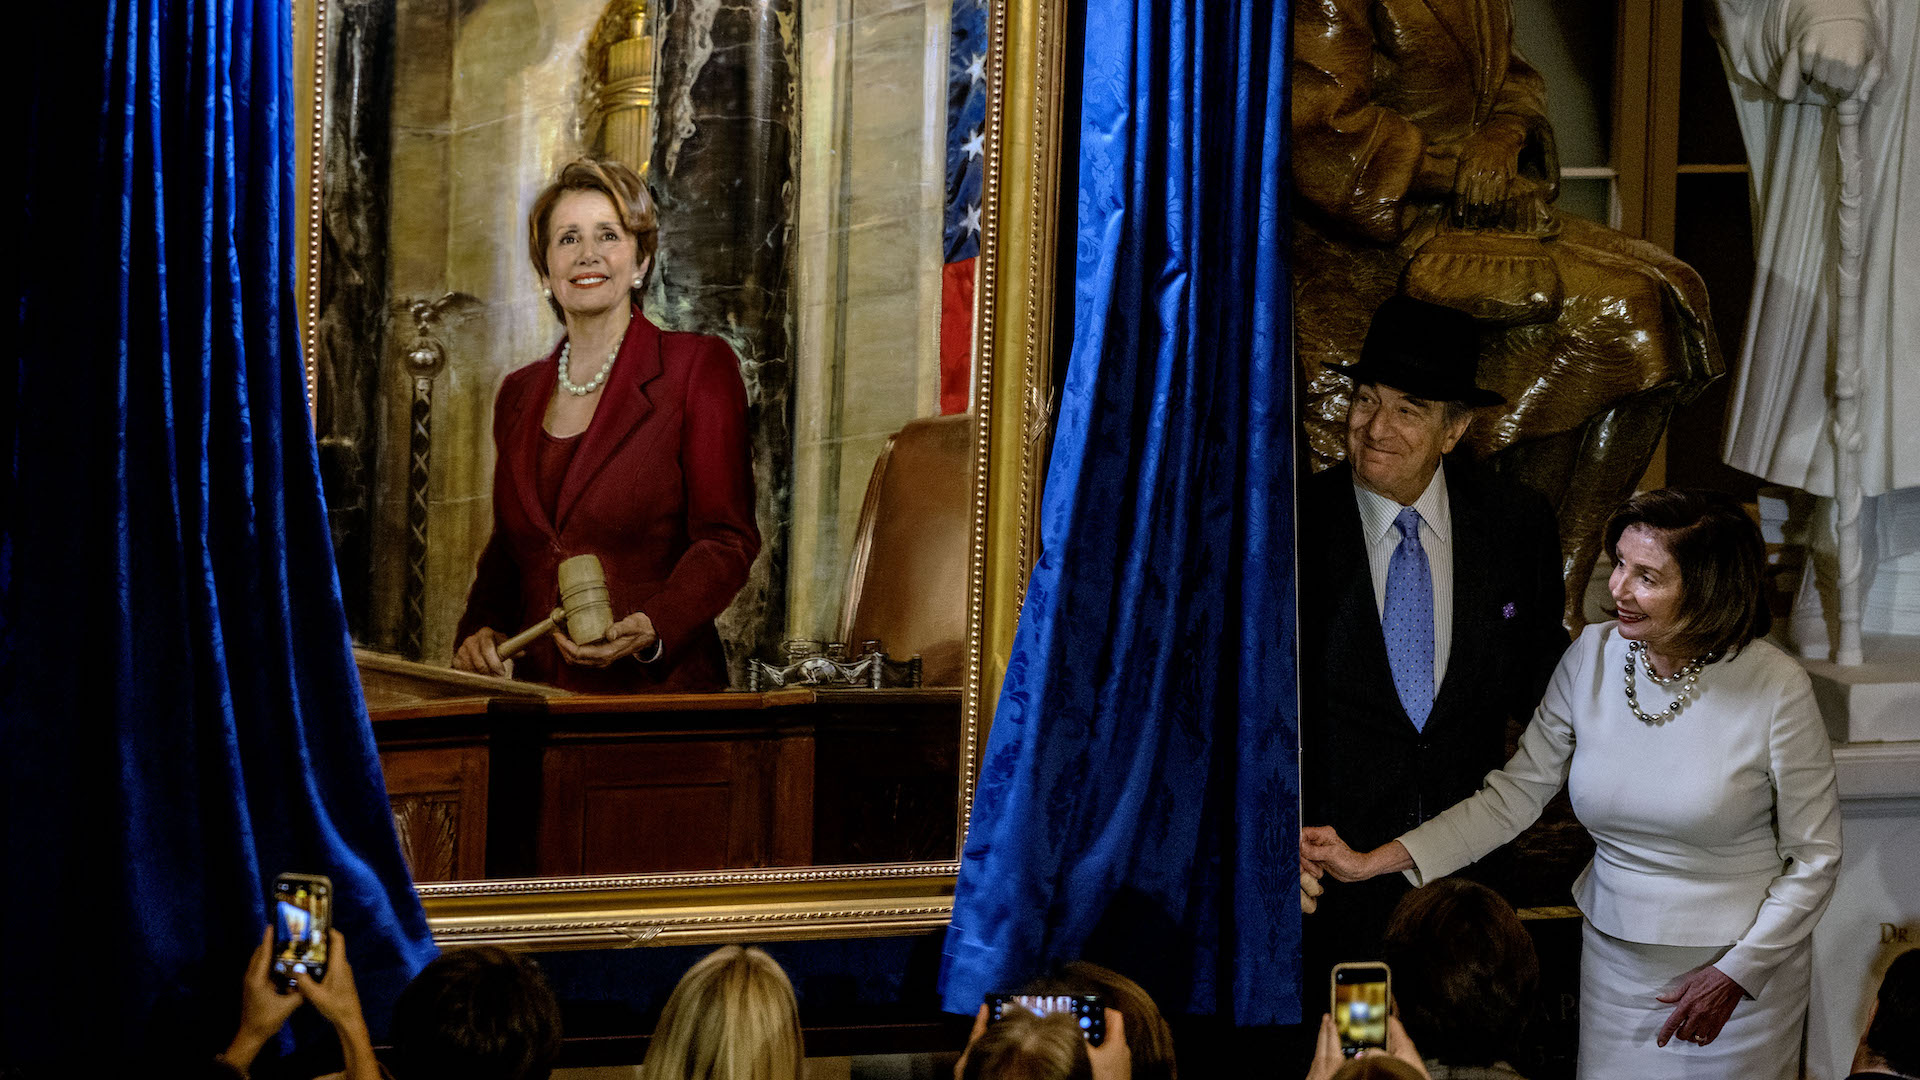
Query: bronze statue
{"points": [[1423, 162]]}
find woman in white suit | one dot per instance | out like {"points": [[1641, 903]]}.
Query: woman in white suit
{"points": [[1695, 756]]}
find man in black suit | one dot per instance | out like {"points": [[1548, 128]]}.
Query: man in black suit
{"points": [[1430, 601]]}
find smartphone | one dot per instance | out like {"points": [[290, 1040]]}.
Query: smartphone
{"points": [[1089, 1012], [1360, 996], [302, 914]]}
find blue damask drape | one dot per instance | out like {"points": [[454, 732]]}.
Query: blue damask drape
{"points": [[182, 716], [1144, 752]]}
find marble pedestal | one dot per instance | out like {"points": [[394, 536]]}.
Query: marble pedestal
{"points": [[1874, 702]]}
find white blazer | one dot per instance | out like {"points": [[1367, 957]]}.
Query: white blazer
{"points": [[1719, 826]]}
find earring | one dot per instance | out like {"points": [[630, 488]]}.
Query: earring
{"points": [[548, 293], [637, 283]]}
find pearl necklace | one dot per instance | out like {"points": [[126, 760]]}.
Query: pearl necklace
{"points": [[1686, 677], [566, 352]]}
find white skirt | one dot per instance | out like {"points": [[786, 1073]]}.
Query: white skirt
{"points": [[1620, 1018]]}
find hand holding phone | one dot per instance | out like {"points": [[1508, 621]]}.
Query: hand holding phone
{"points": [[1329, 1059], [337, 999], [1361, 992], [1112, 1059], [264, 1007]]}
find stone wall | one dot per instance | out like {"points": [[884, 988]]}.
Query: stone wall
{"points": [[867, 260]]}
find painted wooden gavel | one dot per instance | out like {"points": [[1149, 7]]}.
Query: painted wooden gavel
{"points": [[585, 608]]}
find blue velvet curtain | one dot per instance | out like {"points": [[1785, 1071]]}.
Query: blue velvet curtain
{"points": [[182, 715], [1140, 783]]}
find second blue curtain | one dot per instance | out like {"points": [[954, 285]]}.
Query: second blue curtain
{"points": [[1144, 751]]}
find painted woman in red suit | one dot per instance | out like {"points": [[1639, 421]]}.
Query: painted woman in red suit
{"points": [[627, 442]]}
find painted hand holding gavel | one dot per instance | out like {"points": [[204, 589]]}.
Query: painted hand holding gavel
{"points": [[591, 639]]}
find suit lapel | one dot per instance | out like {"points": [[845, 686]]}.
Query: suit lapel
{"points": [[624, 404], [523, 445], [1471, 590]]}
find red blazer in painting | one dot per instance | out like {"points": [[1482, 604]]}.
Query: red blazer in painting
{"points": [[660, 488]]}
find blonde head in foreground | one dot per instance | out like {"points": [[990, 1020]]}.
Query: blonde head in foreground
{"points": [[732, 1017]]}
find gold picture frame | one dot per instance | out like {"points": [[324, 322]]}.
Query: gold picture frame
{"points": [[1012, 387]]}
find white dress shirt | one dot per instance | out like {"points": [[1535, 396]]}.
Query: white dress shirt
{"points": [[1436, 539]]}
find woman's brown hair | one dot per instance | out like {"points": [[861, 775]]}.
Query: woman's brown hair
{"points": [[1465, 973], [1149, 1038], [631, 201], [1722, 562], [1027, 1047]]}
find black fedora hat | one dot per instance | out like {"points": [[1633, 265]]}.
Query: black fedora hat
{"points": [[1422, 349]]}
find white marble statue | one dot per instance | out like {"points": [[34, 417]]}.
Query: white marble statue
{"points": [[1789, 62]]}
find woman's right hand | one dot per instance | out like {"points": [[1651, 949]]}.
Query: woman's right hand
{"points": [[338, 999], [479, 653], [1322, 846]]}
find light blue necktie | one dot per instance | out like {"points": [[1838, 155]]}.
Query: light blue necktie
{"points": [[1408, 620]]}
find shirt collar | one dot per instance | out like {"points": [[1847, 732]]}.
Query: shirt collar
{"points": [[1377, 511]]}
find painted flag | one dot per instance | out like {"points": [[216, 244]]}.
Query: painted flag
{"points": [[966, 161]]}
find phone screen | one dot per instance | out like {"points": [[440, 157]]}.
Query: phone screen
{"points": [[1360, 1006], [302, 913], [1089, 1012]]}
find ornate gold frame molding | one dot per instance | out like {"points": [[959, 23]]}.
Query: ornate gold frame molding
{"points": [[309, 101], [1015, 332], [704, 908]]}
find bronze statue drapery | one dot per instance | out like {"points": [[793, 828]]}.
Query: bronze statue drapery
{"points": [[1423, 162]]}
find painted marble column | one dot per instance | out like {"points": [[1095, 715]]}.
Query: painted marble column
{"points": [[721, 171], [353, 265]]}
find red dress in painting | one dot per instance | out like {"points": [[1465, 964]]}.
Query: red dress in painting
{"points": [[659, 486]]}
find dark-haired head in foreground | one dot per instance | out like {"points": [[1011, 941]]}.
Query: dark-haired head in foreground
{"points": [[477, 1013], [1892, 1041], [1464, 971]]}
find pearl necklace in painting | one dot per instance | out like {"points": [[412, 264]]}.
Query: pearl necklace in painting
{"points": [[1686, 677], [571, 387]]}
